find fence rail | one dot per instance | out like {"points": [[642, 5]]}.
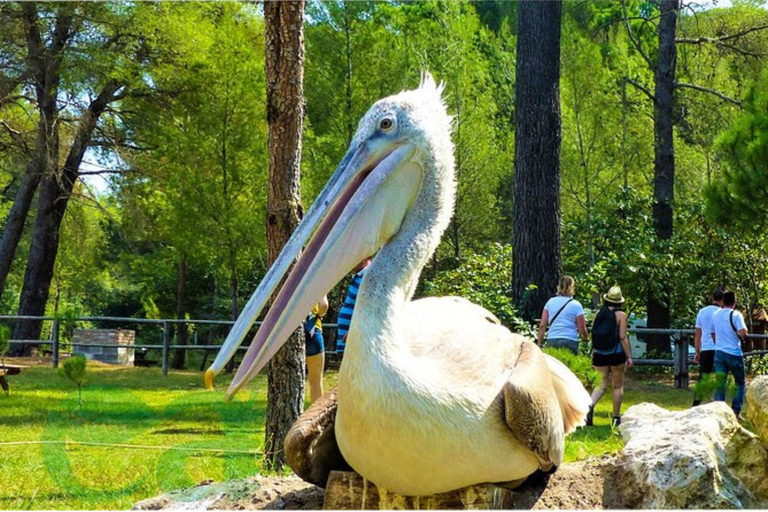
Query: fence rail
{"points": [[679, 360]]}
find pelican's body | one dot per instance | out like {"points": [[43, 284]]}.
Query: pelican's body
{"points": [[426, 415], [434, 394]]}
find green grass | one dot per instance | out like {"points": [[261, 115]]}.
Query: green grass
{"points": [[601, 438], [139, 406], [125, 406]]}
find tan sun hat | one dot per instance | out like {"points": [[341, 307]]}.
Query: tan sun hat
{"points": [[614, 295]]}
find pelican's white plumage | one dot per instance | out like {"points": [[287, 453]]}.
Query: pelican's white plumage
{"points": [[434, 394]]}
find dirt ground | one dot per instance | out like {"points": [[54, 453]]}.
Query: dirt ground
{"points": [[574, 486]]}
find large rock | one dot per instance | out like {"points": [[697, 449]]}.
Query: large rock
{"points": [[757, 406], [697, 458]]}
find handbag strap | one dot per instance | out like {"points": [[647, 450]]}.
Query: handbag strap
{"points": [[733, 326], [560, 311]]}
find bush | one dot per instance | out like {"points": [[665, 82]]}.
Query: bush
{"points": [[756, 365], [580, 365], [74, 369]]}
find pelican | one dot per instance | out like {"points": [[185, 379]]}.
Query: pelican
{"points": [[434, 394]]}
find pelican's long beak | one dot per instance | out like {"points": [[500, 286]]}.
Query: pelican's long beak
{"points": [[361, 207]]}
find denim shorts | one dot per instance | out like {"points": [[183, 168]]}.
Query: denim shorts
{"points": [[315, 345], [572, 345]]}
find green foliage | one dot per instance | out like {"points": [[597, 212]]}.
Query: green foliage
{"points": [[74, 369], [756, 365], [580, 365], [485, 279], [5, 336], [740, 196]]}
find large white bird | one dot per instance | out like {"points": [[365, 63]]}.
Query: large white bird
{"points": [[434, 394]]}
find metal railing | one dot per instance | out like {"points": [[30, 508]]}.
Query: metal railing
{"points": [[679, 360], [166, 345]]}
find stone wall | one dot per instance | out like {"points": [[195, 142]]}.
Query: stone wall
{"points": [[122, 353]]}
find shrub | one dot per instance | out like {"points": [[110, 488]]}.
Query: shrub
{"points": [[580, 365], [74, 369]]}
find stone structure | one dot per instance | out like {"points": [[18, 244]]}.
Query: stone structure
{"points": [[122, 353], [696, 458], [757, 406]]}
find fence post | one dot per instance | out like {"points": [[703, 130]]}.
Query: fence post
{"points": [[55, 343], [166, 345]]}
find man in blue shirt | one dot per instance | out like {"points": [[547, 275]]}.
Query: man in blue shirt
{"points": [[729, 330], [345, 313]]}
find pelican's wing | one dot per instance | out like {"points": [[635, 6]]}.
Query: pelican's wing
{"points": [[532, 409], [310, 446]]}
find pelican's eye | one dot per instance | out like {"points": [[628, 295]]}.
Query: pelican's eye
{"points": [[387, 124]]}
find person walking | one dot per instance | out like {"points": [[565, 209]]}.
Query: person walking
{"points": [[348, 307], [315, 348], [702, 339], [611, 354], [563, 318], [730, 330]]}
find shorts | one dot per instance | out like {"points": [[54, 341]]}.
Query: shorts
{"points": [[615, 359], [706, 361], [315, 345], [572, 345]]}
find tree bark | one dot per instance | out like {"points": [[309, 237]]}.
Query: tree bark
{"points": [[55, 191], [664, 165], [44, 65], [536, 209], [284, 66], [182, 329]]}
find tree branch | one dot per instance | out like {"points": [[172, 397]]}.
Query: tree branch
{"points": [[642, 88], [717, 40], [635, 42], [708, 90]]}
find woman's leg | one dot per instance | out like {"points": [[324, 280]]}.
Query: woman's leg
{"points": [[315, 366], [617, 383], [599, 391]]}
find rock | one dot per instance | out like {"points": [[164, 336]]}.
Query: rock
{"points": [[697, 458], [757, 406], [271, 493]]}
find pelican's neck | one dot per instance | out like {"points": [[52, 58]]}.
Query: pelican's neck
{"points": [[390, 281]]}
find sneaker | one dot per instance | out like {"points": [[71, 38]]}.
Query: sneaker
{"points": [[590, 416], [616, 421]]}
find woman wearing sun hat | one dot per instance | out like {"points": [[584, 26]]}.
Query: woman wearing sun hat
{"points": [[610, 351]]}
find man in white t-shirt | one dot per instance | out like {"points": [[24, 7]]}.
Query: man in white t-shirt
{"points": [[730, 329], [565, 318], [705, 345]]}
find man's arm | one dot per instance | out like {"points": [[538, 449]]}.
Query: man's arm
{"points": [[697, 344], [543, 327]]}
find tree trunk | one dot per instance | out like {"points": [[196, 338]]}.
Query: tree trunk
{"points": [[44, 65], [182, 329], [664, 165], [55, 191], [536, 209], [285, 110]]}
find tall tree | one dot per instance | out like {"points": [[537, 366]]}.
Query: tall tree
{"points": [[664, 68], [536, 210], [43, 65], [284, 64], [664, 161]]}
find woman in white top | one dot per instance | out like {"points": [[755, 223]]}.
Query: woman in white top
{"points": [[565, 318]]}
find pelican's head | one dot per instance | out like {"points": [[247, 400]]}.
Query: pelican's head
{"points": [[400, 154]]}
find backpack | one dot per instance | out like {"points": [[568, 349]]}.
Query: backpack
{"points": [[604, 335]]}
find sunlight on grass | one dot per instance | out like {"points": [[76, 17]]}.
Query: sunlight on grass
{"points": [[124, 406], [139, 406]]}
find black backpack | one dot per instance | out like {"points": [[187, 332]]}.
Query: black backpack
{"points": [[604, 335]]}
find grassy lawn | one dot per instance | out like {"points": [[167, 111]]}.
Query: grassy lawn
{"points": [[175, 421]]}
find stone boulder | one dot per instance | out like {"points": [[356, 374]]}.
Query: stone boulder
{"points": [[757, 406], [698, 458]]}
